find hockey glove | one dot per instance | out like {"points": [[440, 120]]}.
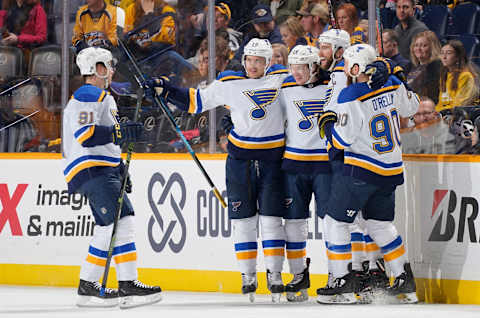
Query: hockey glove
{"points": [[227, 124], [157, 86], [379, 72], [128, 185], [127, 132], [323, 119]]}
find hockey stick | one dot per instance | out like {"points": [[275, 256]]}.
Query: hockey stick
{"points": [[120, 197], [21, 119], [160, 102], [15, 86], [380, 31], [333, 23]]}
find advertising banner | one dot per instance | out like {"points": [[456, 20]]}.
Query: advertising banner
{"points": [[180, 225]]}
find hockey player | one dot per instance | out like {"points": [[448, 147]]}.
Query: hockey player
{"points": [[307, 171], [332, 44], [255, 148], [367, 129], [92, 137]]}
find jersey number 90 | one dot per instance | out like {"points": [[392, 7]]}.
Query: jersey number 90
{"points": [[382, 128]]}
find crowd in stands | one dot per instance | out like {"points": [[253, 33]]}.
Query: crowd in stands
{"points": [[434, 41]]}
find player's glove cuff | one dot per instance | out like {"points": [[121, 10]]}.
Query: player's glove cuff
{"points": [[323, 119], [127, 132], [379, 71], [157, 86]]}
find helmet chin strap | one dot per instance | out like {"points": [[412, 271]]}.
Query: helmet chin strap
{"points": [[105, 78]]}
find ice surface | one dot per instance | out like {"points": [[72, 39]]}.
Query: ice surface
{"points": [[20, 302]]}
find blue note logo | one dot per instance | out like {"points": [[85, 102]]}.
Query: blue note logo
{"points": [[261, 98], [309, 109], [176, 203]]}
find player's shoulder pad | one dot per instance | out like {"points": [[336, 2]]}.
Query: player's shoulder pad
{"points": [[339, 67], [393, 80], [289, 81], [277, 69], [90, 94], [231, 76], [392, 84], [353, 92]]}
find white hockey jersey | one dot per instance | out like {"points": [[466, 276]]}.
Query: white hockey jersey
{"points": [[305, 152], [257, 117], [368, 130], [86, 149], [338, 81]]}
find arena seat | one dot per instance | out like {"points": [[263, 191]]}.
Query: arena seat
{"points": [[436, 18], [471, 44], [466, 18], [46, 61], [11, 62]]}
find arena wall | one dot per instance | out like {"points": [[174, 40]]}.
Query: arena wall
{"points": [[184, 235]]}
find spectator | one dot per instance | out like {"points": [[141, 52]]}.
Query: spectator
{"points": [[292, 33], [265, 28], [222, 57], [408, 27], [458, 85], [17, 133], [240, 12], [157, 32], [307, 3], [425, 113], [346, 16], [95, 25], [282, 9], [314, 20], [390, 49], [280, 54], [25, 24], [223, 16], [424, 73]]}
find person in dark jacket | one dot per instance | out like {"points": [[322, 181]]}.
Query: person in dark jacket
{"points": [[265, 28]]}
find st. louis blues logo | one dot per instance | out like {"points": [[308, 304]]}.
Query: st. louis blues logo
{"points": [[261, 98], [310, 109]]}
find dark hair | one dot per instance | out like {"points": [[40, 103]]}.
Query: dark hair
{"points": [[15, 23], [461, 65], [392, 35]]}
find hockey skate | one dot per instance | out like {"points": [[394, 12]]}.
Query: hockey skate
{"points": [[134, 293], [404, 288], [364, 292], [249, 285], [275, 285], [342, 291], [89, 295], [297, 289]]}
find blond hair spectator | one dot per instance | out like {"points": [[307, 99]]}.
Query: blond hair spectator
{"points": [[292, 33], [425, 70]]}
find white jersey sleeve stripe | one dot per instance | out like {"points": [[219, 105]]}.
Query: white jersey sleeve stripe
{"points": [[84, 133], [338, 142]]}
